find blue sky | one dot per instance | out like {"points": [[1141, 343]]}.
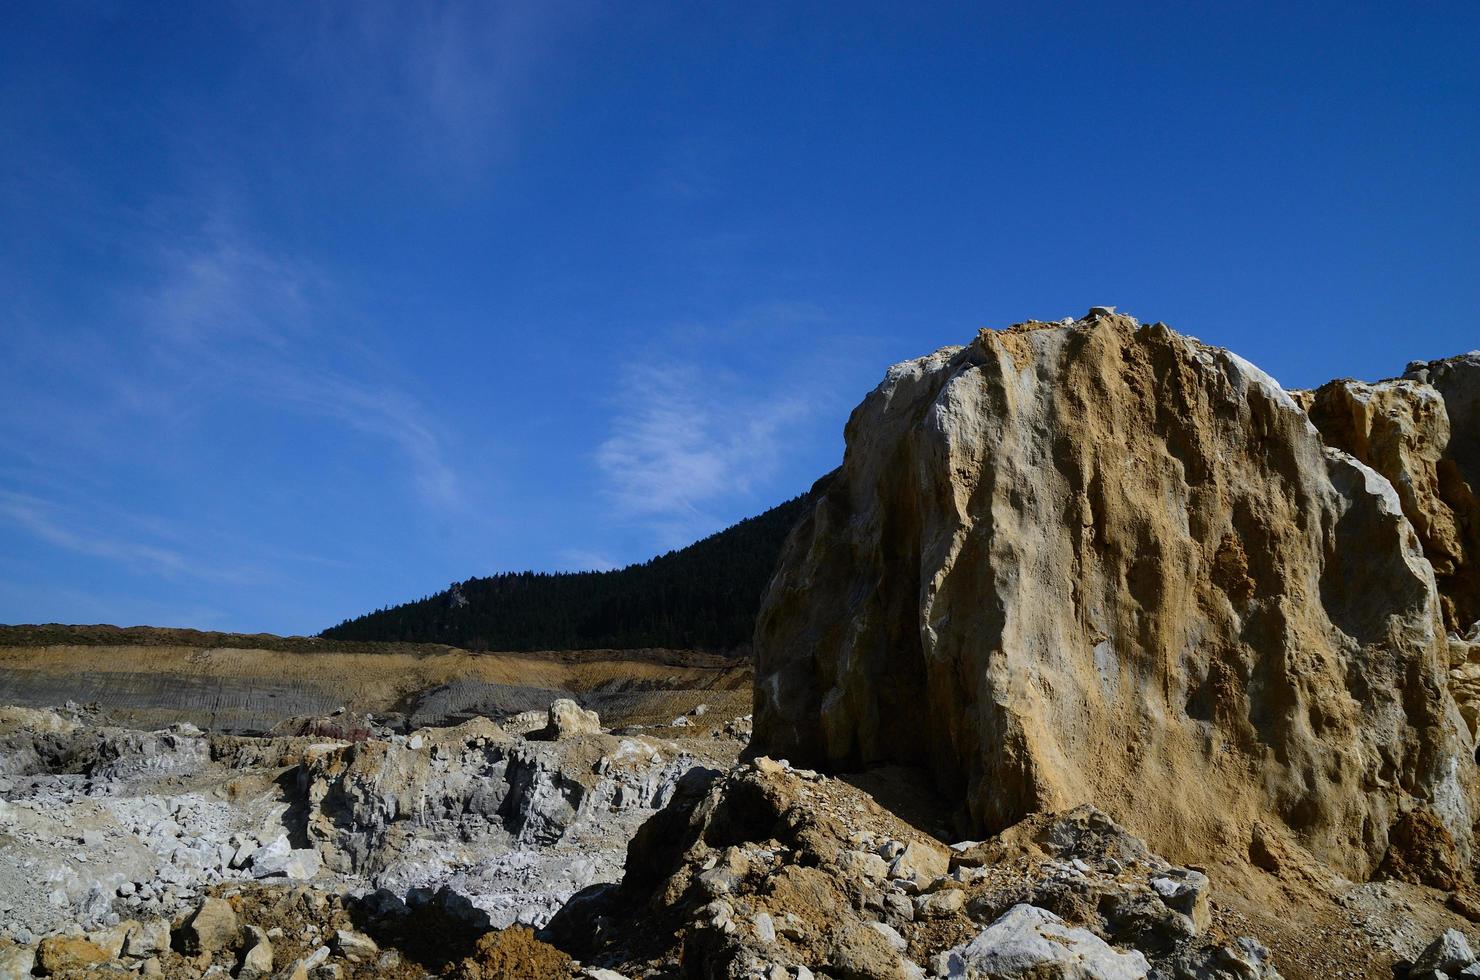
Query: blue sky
{"points": [[309, 308]]}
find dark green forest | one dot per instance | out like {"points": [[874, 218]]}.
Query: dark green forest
{"points": [[702, 597]]}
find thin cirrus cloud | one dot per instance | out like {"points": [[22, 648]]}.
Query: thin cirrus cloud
{"points": [[264, 321], [682, 441], [582, 560], [150, 545], [220, 313], [58, 526], [453, 77]]}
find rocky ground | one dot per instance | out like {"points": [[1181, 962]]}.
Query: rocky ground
{"points": [[545, 846], [105, 829], [771, 871]]}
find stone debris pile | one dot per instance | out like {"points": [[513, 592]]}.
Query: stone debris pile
{"points": [[774, 872], [100, 826]]}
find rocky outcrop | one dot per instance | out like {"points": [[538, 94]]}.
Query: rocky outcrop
{"points": [[373, 804], [1402, 429], [772, 871], [568, 719], [100, 825], [1457, 379], [1464, 678], [1098, 562]]}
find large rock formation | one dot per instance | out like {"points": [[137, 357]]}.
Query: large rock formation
{"points": [[1457, 379], [1427, 444], [1097, 562]]}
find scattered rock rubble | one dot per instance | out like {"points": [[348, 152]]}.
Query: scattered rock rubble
{"points": [[444, 853], [102, 826], [773, 872]]}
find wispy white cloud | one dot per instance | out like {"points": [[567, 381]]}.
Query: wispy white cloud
{"points": [[722, 416], [682, 438], [57, 526], [149, 544], [222, 323], [265, 323], [579, 560], [453, 79]]}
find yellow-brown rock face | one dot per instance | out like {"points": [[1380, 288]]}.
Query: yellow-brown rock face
{"points": [[1094, 562], [1402, 429]]}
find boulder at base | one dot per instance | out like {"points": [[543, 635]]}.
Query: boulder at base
{"points": [[1097, 562]]}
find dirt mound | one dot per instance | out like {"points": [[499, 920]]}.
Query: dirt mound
{"points": [[513, 954], [1097, 562], [1422, 851]]}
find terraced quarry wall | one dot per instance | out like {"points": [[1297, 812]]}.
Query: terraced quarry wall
{"points": [[252, 689]]}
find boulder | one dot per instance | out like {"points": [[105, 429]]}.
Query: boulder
{"points": [[304, 967], [1402, 429], [61, 954], [281, 858], [257, 955], [1098, 562], [1029, 943], [1450, 953], [890, 935], [940, 904], [211, 928], [1243, 959], [148, 938], [862, 864], [16, 960], [349, 943], [113, 938], [242, 855], [568, 719], [920, 862]]}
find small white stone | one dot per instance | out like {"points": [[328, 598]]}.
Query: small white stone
{"points": [[891, 936], [765, 929]]}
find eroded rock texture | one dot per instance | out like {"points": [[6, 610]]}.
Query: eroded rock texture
{"points": [[1098, 562], [1402, 429]]}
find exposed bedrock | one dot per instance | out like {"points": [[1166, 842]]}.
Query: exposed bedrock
{"points": [[1427, 444], [1094, 562]]}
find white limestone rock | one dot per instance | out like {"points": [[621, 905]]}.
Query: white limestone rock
{"points": [[1030, 942]]}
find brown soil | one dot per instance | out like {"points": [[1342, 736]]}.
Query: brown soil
{"points": [[513, 954], [1422, 851], [425, 944]]}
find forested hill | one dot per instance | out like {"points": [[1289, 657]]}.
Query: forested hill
{"points": [[703, 597]]}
